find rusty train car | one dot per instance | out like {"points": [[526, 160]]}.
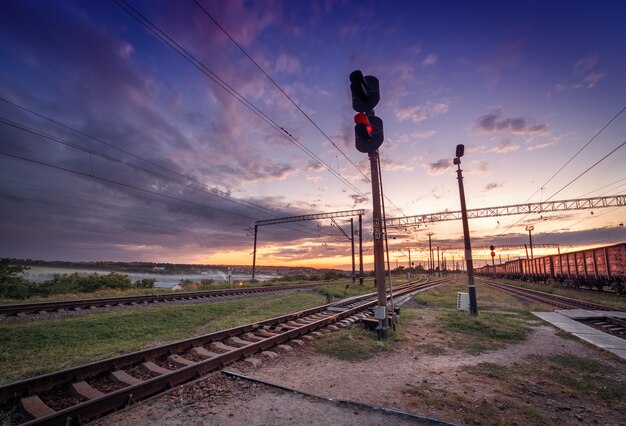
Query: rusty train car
{"points": [[597, 267]]}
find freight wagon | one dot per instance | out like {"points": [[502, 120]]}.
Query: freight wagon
{"points": [[598, 267]]}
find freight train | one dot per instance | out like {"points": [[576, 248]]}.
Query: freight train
{"points": [[598, 267]]}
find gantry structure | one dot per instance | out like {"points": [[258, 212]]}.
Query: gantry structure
{"points": [[514, 209], [316, 216]]}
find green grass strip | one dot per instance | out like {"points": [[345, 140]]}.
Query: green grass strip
{"points": [[33, 348]]}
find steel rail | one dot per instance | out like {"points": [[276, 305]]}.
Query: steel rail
{"points": [[548, 298], [29, 308], [110, 401]]}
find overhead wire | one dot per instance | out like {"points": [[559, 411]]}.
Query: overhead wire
{"points": [[588, 169], [148, 24], [307, 116], [566, 163], [579, 151], [202, 188]]}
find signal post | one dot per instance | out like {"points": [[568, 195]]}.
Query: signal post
{"points": [[369, 136]]}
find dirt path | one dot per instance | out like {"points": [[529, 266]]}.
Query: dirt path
{"points": [[519, 391]]}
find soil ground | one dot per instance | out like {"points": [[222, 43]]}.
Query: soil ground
{"points": [[548, 378]]}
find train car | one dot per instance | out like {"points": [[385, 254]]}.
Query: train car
{"points": [[537, 269], [598, 267]]}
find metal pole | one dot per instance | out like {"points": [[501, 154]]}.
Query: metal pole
{"points": [[438, 265], [526, 247], [493, 263], [352, 241], [430, 253], [410, 266], [256, 227], [380, 312], [468, 245], [384, 215], [360, 250]]}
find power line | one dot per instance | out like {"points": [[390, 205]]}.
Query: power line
{"points": [[228, 88], [278, 87], [288, 97], [583, 173], [579, 151], [88, 175], [212, 192], [125, 185], [217, 194]]}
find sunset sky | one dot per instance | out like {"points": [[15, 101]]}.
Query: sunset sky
{"points": [[115, 145]]}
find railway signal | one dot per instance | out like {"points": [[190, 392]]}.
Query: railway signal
{"points": [[368, 136], [460, 150], [368, 131]]}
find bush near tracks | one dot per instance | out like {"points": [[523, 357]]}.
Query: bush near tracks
{"points": [[14, 286]]}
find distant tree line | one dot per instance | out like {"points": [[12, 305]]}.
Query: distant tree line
{"points": [[14, 286]]}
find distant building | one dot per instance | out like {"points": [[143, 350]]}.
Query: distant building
{"points": [[158, 268]]}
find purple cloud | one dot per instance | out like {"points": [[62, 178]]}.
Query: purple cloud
{"points": [[516, 125]]}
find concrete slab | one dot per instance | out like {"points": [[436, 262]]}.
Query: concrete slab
{"points": [[603, 340], [563, 320], [577, 313]]}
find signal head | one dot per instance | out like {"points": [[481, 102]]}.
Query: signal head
{"points": [[460, 150], [365, 91]]}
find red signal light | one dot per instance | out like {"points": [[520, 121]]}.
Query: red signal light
{"points": [[493, 254], [361, 118]]}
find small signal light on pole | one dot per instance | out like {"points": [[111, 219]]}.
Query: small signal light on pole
{"points": [[493, 254]]}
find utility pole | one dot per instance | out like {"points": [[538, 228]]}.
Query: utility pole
{"points": [[460, 149], [352, 241], [256, 228], [410, 266], [438, 264], [430, 253], [360, 249], [530, 229]]}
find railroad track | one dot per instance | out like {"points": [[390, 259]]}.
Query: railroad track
{"points": [[562, 302], [81, 393], [25, 309]]}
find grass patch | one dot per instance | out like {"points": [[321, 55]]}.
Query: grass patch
{"points": [[566, 336], [340, 292], [488, 299], [33, 348], [471, 412], [355, 344], [479, 333], [558, 375], [431, 349]]}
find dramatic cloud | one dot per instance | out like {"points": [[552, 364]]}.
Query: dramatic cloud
{"points": [[590, 80], [422, 134], [438, 167], [504, 147], [517, 125], [490, 186], [419, 113], [585, 75], [358, 199]]}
